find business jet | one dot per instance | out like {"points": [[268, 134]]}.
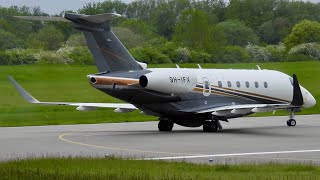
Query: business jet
{"points": [[187, 97]]}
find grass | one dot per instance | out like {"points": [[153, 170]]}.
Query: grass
{"points": [[111, 168], [69, 83]]}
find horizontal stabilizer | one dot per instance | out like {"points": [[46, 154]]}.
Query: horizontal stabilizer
{"points": [[23, 92], [100, 18], [81, 106], [43, 18]]}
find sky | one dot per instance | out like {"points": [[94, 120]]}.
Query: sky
{"points": [[57, 6]]}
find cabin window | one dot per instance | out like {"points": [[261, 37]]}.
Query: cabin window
{"points": [[238, 84], [247, 84], [256, 84], [265, 85], [229, 84], [219, 83]]}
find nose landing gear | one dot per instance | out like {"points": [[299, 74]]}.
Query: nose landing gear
{"points": [[291, 121]]}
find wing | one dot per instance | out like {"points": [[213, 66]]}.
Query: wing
{"points": [[120, 107], [244, 109]]}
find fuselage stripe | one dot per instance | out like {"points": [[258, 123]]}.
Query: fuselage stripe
{"points": [[251, 96]]}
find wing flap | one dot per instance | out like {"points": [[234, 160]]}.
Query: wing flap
{"points": [[243, 109]]}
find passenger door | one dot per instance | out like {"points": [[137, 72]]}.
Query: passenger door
{"points": [[206, 86]]}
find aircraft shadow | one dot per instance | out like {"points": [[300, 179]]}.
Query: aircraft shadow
{"points": [[271, 131]]}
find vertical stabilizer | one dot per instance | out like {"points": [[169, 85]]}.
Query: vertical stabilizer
{"points": [[108, 52]]}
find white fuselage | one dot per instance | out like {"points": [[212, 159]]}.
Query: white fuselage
{"points": [[269, 84]]}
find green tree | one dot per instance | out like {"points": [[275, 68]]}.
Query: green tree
{"points": [[165, 16], [138, 27], [273, 32], [76, 40], [9, 40], [237, 33], [297, 11], [214, 8], [91, 8], [48, 38], [129, 38], [252, 12], [141, 9], [304, 32], [193, 29]]}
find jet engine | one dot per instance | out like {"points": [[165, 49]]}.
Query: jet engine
{"points": [[169, 82]]}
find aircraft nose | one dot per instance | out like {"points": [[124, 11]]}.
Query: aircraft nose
{"points": [[310, 101]]}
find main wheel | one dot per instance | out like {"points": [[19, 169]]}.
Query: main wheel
{"points": [[291, 122], [210, 126], [165, 125]]}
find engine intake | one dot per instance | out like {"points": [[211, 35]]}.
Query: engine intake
{"points": [[143, 81]]}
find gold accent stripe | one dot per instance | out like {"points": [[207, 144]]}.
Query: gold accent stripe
{"points": [[218, 93], [249, 94], [118, 81]]}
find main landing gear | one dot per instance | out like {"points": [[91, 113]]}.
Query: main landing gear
{"points": [[291, 121], [212, 125], [165, 125]]}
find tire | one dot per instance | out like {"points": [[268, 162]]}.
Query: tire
{"points": [[291, 122], [165, 125], [210, 126]]}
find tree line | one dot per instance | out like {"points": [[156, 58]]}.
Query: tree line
{"points": [[173, 31]]}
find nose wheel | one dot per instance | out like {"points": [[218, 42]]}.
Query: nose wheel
{"points": [[291, 121]]}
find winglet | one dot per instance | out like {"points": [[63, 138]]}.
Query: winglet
{"points": [[22, 91], [297, 99]]}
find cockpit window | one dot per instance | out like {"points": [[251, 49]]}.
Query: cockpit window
{"points": [[291, 80]]}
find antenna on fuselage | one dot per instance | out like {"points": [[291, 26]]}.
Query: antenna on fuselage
{"points": [[199, 66], [177, 66], [258, 67]]}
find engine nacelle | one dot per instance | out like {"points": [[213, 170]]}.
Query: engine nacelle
{"points": [[182, 81]]}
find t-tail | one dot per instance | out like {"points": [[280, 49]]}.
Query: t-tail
{"points": [[108, 52]]}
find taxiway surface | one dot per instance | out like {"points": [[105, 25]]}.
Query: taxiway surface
{"points": [[251, 140]]}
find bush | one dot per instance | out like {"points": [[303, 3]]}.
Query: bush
{"points": [[259, 54], [17, 56], [277, 52], [54, 57], [182, 55], [149, 55], [81, 55], [168, 49], [200, 57], [299, 57], [48, 38], [65, 55], [76, 40], [5, 58], [234, 54], [311, 50]]}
